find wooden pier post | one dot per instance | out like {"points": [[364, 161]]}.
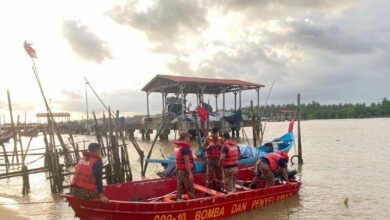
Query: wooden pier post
{"points": [[49, 162], [26, 152], [6, 161], [142, 130], [26, 181], [20, 140], [108, 170], [15, 153], [99, 135], [300, 159]]}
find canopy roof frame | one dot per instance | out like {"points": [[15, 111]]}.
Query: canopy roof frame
{"points": [[194, 85]]}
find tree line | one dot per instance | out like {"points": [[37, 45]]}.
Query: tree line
{"points": [[315, 110]]}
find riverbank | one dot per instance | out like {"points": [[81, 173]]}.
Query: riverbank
{"points": [[8, 213]]}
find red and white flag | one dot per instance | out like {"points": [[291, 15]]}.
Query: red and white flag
{"points": [[202, 113], [30, 51]]}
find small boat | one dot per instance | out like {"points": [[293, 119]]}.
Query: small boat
{"points": [[5, 136], [154, 200], [249, 155], [32, 132]]}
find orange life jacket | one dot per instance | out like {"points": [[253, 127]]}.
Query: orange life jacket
{"points": [[180, 157], [231, 158], [216, 150], [273, 159], [83, 176]]}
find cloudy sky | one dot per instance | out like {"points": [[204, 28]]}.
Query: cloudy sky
{"points": [[331, 51]]}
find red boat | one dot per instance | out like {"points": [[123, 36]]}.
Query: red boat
{"points": [[154, 200]]}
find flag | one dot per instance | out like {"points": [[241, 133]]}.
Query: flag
{"points": [[202, 113], [30, 51]]}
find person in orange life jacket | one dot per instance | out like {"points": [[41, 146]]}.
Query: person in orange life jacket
{"points": [[184, 166], [212, 146], [87, 182], [266, 167], [229, 162]]}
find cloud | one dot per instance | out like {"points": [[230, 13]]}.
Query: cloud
{"points": [[85, 43], [165, 22], [72, 94], [334, 38], [271, 9], [18, 107], [331, 51], [180, 66]]}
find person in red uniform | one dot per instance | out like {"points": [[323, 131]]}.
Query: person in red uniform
{"points": [[212, 146], [87, 182], [229, 162], [268, 165], [184, 166]]}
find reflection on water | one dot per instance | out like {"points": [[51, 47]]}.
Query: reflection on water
{"points": [[342, 159]]}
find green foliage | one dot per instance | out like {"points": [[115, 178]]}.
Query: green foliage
{"points": [[315, 110]]}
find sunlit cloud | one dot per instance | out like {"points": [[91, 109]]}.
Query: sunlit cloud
{"points": [[85, 43]]}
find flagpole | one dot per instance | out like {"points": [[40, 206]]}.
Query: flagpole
{"points": [[66, 154]]}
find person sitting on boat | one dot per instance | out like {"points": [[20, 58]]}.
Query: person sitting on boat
{"points": [[212, 146], [268, 165], [184, 166], [229, 162], [87, 182]]}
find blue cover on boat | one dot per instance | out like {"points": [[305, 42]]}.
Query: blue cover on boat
{"points": [[235, 118], [250, 154]]}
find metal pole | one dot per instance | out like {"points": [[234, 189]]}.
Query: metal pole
{"points": [[240, 91], [300, 160], [147, 104], [258, 119], [253, 125], [223, 103], [159, 131], [216, 102], [86, 100], [235, 100], [182, 101], [258, 98], [163, 103]]}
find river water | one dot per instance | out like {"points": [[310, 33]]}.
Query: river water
{"points": [[344, 160]]}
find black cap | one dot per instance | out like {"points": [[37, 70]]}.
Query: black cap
{"points": [[214, 130], [93, 147], [184, 135], [226, 135]]}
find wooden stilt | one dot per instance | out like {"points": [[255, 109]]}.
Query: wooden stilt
{"points": [[15, 153], [6, 161], [26, 181]]}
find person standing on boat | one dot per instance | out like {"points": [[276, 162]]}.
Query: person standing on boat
{"points": [[184, 166], [268, 165], [212, 146], [87, 182], [229, 162]]}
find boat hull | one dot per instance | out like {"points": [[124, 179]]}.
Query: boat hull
{"points": [[212, 207]]}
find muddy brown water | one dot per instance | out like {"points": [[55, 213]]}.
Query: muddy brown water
{"points": [[343, 160]]}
